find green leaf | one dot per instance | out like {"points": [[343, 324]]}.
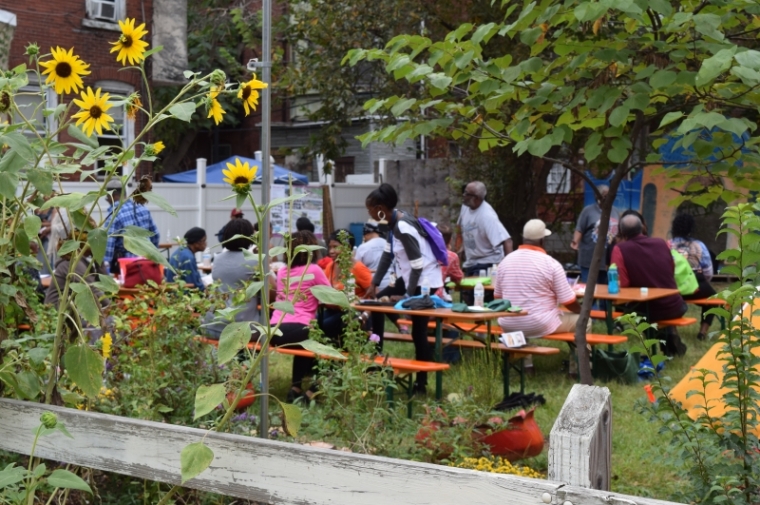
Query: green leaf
{"points": [[37, 355], [41, 179], [321, 350], [28, 384], [253, 289], [67, 480], [97, 240], [670, 117], [291, 416], [79, 135], [330, 296], [86, 304], [160, 202], [12, 163], [21, 241], [619, 115], [662, 79], [439, 80], [8, 184], [284, 306], [194, 459], [593, 147], [234, 337], [402, 106], [68, 247], [749, 58], [32, 225], [463, 59], [85, 367], [145, 248], [207, 398], [714, 66], [19, 144], [11, 475], [68, 201], [183, 111]]}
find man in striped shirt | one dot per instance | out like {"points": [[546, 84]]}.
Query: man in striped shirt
{"points": [[533, 280]]}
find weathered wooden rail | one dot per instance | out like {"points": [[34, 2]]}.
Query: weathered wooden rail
{"points": [[286, 473]]}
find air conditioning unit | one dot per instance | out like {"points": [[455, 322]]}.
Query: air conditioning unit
{"points": [[103, 10]]}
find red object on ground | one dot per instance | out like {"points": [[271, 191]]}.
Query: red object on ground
{"points": [[650, 395], [521, 439], [247, 399]]}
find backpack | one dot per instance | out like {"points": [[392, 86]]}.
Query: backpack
{"points": [[691, 251], [686, 280], [433, 237]]}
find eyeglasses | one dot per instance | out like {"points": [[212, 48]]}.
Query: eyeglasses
{"points": [[469, 194]]}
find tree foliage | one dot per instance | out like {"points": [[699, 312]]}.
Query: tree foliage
{"points": [[219, 35]]}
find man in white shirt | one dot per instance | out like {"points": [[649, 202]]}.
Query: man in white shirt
{"points": [[485, 239]]}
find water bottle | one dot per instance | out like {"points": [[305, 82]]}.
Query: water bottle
{"points": [[613, 281], [207, 257], [480, 294], [425, 289]]}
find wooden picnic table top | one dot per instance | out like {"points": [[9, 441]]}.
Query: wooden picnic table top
{"points": [[627, 294]]}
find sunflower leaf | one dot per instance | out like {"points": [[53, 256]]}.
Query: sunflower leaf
{"points": [[183, 111], [81, 136], [160, 201], [153, 51]]}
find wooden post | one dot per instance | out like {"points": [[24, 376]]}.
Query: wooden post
{"points": [[580, 443]]}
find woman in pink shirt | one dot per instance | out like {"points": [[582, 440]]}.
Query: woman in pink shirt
{"points": [[295, 327]]}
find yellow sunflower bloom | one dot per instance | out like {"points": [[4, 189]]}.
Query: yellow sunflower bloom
{"points": [[215, 108], [65, 70], [249, 95], [239, 176], [93, 113], [158, 147], [130, 45], [106, 342], [133, 105]]}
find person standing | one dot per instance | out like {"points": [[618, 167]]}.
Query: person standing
{"points": [[586, 235], [415, 262], [485, 239], [130, 213]]}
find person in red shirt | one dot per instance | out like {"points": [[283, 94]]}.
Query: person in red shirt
{"points": [[331, 321]]}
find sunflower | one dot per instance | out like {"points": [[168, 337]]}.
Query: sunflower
{"points": [[106, 342], [239, 176], [133, 105], [129, 45], [65, 70], [215, 108], [154, 149], [249, 95], [93, 113]]}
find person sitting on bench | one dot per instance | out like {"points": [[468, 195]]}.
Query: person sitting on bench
{"points": [[536, 282]]}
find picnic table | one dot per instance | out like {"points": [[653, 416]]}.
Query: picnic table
{"points": [[441, 316], [626, 295]]}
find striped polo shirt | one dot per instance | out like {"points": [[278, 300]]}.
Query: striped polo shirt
{"points": [[536, 282]]}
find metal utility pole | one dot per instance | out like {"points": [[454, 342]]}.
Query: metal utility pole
{"points": [[266, 181]]}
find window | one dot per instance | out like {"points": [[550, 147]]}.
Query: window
{"points": [[558, 180], [30, 103], [122, 131], [104, 13]]}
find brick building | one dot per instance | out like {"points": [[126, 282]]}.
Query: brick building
{"points": [[88, 26]]}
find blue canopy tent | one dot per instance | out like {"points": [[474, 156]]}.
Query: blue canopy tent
{"points": [[214, 173]]}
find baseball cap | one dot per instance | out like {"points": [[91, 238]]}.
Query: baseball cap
{"points": [[114, 184], [236, 212], [535, 229]]}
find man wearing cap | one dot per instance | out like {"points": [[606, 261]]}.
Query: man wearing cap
{"points": [[534, 281], [118, 218], [183, 259], [234, 214]]}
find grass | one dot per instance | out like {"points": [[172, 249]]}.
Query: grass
{"points": [[637, 445]]}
